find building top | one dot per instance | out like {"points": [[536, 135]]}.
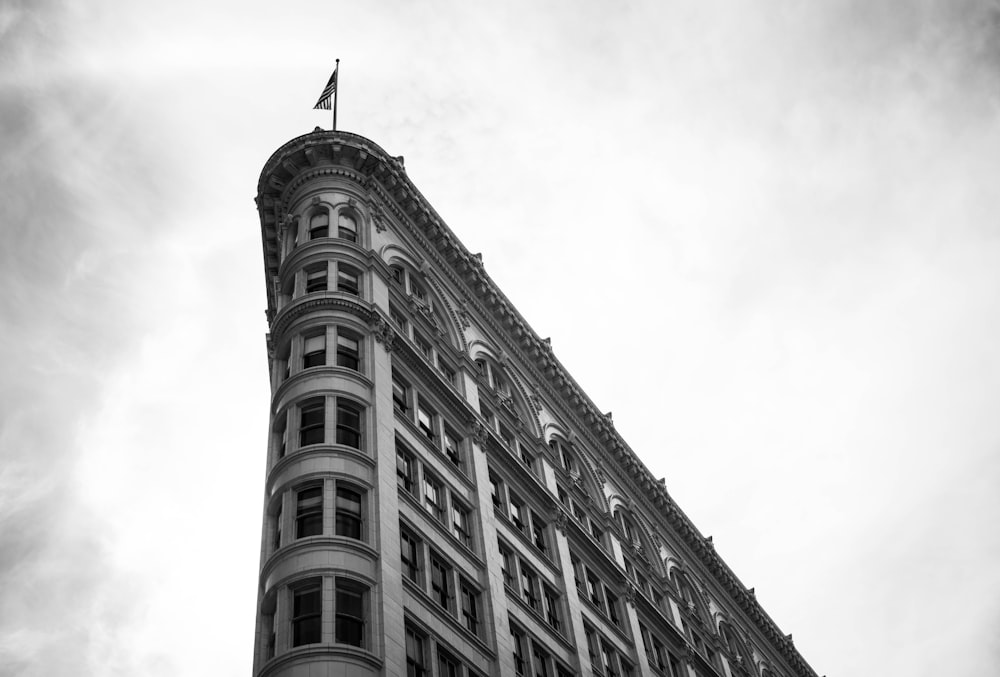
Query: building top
{"points": [[324, 152]]}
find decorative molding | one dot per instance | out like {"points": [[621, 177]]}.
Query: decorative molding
{"points": [[382, 332]]}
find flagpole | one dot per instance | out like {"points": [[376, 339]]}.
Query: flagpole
{"points": [[335, 90]]}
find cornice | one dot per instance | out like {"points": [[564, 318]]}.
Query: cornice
{"points": [[370, 165]]}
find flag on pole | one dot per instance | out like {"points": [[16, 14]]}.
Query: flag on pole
{"points": [[331, 87]]}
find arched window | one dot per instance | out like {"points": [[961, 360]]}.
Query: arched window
{"points": [[347, 227], [319, 224]]}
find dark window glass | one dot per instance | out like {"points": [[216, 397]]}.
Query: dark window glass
{"points": [[440, 573], [470, 608], [348, 522], [415, 666], [309, 512], [307, 614], [319, 225], [405, 471], [316, 279], [347, 280], [314, 351], [313, 413], [350, 617], [347, 227], [348, 425], [347, 351], [408, 553]]}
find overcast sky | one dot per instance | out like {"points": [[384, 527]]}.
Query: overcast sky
{"points": [[764, 235]]}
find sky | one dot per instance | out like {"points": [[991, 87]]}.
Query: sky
{"points": [[763, 234]]}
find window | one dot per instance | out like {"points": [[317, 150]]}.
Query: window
{"points": [[348, 424], [426, 421], [281, 433], [609, 660], [276, 540], [347, 227], [594, 590], [520, 649], [538, 533], [613, 613], [319, 225], [451, 447], [470, 607], [316, 278], [397, 319], [348, 350], [529, 587], [406, 471], [314, 350], [349, 616], [433, 497], [415, 665], [551, 604], [446, 370], [307, 613], [578, 576], [541, 661], [347, 280], [348, 512], [408, 545], [309, 512], [312, 414], [517, 513], [440, 575], [495, 492], [400, 394], [422, 345], [592, 649], [507, 564], [448, 666], [460, 523]]}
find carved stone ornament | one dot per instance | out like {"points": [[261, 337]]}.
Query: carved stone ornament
{"points": [[535, 400], [463, 315], [478, 433], [630, 594], [382, 332], [315, 200], [351, 202], [690, 656], [561, 521], [378, 216]]}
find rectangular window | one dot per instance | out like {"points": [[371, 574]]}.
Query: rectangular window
{"points": [[592, 649], [470, 608], [347, 227], [451, 448], [309, 512], [314, 351], [594, 590], [540, 660], [551, 602], [349, 618], [446, 370], [400, 395], [460, 523], [538, 534], [447, 665], [529, 587], [348, 351], [319, 225], [348, 517], [348, 424], [609, 660], [578, 575], [409, 557], [440, 585], [397, 319], [613, 608], [507, 565], [425, 421], [312, 414], [520, 650], [307, 613], [347, 280], [276, 541], [415, 665], [406, 470], [433, 497], [422, 345], [316, 279], [495, 494], [517, 513]]}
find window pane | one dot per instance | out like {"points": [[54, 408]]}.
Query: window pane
{"points": [[349, 619], [348, 425], [348, 513], [347, 352], [307, 615], [316, 280], [313, 413], [309, 512]]}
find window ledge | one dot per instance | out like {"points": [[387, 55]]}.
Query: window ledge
{"points": [[310, 653], [310, 542], [319, 450]]}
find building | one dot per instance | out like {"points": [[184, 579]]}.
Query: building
{"points": [[441, 498]]}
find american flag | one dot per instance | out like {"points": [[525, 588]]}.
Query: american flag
{"points": [[324, 98]]}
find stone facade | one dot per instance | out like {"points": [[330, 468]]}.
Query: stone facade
{"points": [[442, 499]]}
